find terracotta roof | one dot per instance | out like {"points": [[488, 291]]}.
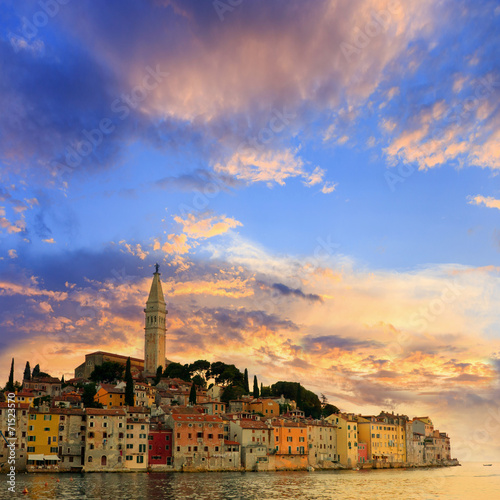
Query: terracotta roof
{"points": [[67, 411], [112, 389], [138, 409], [45, 380], [101, 411], [22, 406], [196, 417], [115, 355], [252, 424]]}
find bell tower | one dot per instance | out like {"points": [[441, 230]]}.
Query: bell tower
{"points": [[155, 312]]}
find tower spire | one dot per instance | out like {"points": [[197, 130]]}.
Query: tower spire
{"points": [[155, 328]]}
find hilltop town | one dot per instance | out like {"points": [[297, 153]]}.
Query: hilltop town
{"points": [[127, 414]]}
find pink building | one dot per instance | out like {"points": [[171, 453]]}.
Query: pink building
{"points": [[362, 453]]}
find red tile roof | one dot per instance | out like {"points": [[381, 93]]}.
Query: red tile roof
{"points": [[196, 417]]}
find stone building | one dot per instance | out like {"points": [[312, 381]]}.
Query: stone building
{"points": [[256, 440], [322, 442], [72, 435], [105, 440], [20, 434], [198, 442]]}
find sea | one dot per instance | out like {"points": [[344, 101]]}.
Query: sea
{"points": [[469, 482]]}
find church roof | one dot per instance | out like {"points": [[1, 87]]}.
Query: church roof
{"points": [[156, 292]]}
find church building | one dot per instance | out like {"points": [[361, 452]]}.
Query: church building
{"points": [[154, 338]]}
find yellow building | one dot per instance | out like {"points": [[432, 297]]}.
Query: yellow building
{"points": [[110, 396], [347, 438], [385, 437], [25, 397], [42, 439]]}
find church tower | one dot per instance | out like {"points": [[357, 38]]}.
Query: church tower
{"points": [[156, 311]]}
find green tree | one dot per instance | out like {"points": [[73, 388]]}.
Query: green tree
{"points": [[265, 391], [129, 387], [199, 381], [27, 372], [89, 391], [232, 392], [36, 371], [62, 380], [306, 400], [176, 370], [107, 372], [255, 387], [10, 384], [245, 382], [329, 410], [159, 373], [200, 367], [226, 374], [192, 395]]}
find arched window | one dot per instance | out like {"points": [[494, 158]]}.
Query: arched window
{"points": [[89, 460], [103, 460]]}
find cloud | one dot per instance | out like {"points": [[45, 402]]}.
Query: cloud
{"points": [[12, 253], [481, 200], [205, 225], [269, 166], [49, 240], [135, 249], [284, 290], [328, 187]]}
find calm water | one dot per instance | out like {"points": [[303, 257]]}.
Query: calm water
{"points": [[471, 481]]}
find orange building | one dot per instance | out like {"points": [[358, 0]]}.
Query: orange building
{"points": [[290, 441], [266, 407], [110, 396]]}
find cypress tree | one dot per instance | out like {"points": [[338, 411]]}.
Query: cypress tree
{"points": [[245, 382], [129, 387], [255, 387], [62, 380], [192, 395], [27, 371], [36, 371], [10, 384], [159, 373], [299, 397]]}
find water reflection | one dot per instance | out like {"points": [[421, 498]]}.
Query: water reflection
{"points": [[454, 483]]}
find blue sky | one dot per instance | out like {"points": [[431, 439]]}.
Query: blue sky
{"points": [[264, 154]]}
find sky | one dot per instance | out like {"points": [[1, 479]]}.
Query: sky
{"points": [[317, 180]]}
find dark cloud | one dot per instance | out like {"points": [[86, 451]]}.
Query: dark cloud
{"points": [[328, 342], [286, 291]]}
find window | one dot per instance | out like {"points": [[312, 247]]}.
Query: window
{"points": [[91, 435], [142, 448], [31, 438], [128, 457], [140, 459], [47, 417], [89, 460], [32, 417], [30, 428], [167, 447], [31, 449], [129, 446]]}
